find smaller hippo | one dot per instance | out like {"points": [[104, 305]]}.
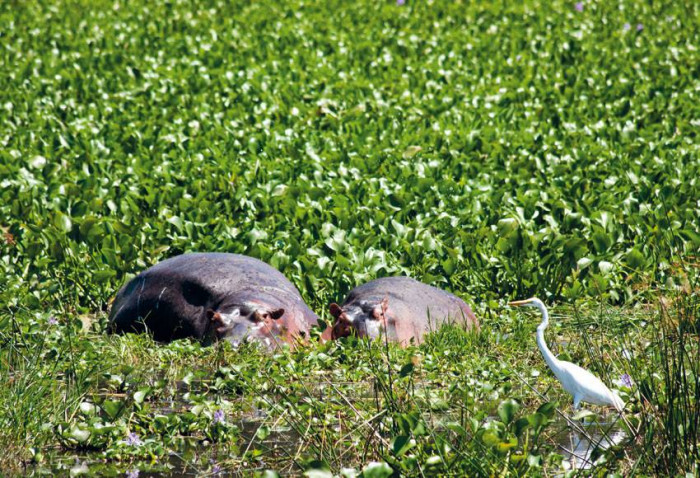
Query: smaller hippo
{"points": [[212, 296], [403, 307]]}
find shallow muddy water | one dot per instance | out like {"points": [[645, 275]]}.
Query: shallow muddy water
{"points": [[577, 443], [268, 443]]}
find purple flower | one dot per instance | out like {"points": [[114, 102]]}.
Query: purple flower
{"points": [[400, 2], [216, 469], [579, 6], [133, 440], [132, 474], [53, 320], [626, 26], [518, 58], [640, 27], [219, 416], [626, 380]]}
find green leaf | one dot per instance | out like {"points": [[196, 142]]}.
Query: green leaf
{"points": [[601, 241], [103, 275], [548, 409], [575, 247], [262, 433], [635, 259], [507, 410], [490, 438], [401, 444], [406, 370], [377, 470], [177, 222], [141, 395], [411, 151], [506, 226], [581, 414], [605, 267], [504, 446], [62, 222], [318, 474], [37, 162], [521, 425], [112, 408], [81, 435]]}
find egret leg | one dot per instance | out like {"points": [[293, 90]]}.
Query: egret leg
{"points": [[577, 402]]}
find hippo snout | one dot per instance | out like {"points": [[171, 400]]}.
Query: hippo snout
{"points": [[362, 321], [244, 323], [402, 308], [342, 328]]}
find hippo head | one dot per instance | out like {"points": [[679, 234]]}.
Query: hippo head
{"points": [[242, 322], [365, 319]]}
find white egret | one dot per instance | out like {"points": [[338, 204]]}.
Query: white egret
{"points": [[579, 382]]}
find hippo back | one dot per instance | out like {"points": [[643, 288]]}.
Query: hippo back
{"points": [[413, 308], [171, 298]]}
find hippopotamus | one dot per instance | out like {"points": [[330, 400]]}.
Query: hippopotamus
{"points": [[400, 306], [212, 296]]}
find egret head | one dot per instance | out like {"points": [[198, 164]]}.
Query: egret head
{"points": [[536, 303], [531, 302]]}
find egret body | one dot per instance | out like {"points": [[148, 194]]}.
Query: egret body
{"points": [[579, 382]]}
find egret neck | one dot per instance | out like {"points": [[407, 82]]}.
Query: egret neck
{"points": [[549, 357]]}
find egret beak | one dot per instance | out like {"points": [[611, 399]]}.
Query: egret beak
{"points": [[518, 303]]}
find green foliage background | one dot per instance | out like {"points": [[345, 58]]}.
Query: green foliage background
{"points": [[490, 148]]}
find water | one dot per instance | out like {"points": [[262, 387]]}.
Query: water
{"points": [[189, 458], [577, 443], [266, 443]]}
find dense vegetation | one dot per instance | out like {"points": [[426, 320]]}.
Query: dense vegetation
{"points": [[496, 150]]}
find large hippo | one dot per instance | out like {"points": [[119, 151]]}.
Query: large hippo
{"points": [[212, 296], [403, 307]]}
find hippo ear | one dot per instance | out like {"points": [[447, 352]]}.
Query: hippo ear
{"points": [[212, 315], [335, 310], [380, 310], [273, 314], [384, 305]]}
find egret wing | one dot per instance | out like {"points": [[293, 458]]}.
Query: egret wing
{"points": [[579, 381]]}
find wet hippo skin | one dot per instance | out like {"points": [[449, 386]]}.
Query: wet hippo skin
{"points": [[403, 307], [212, 296]]}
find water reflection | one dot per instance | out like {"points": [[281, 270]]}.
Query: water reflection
{"points": [[579, 442]]}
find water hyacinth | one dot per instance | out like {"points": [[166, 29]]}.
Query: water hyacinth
{"points": [[274, 131], [626, 380], [133, 439], [218, 416]]}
